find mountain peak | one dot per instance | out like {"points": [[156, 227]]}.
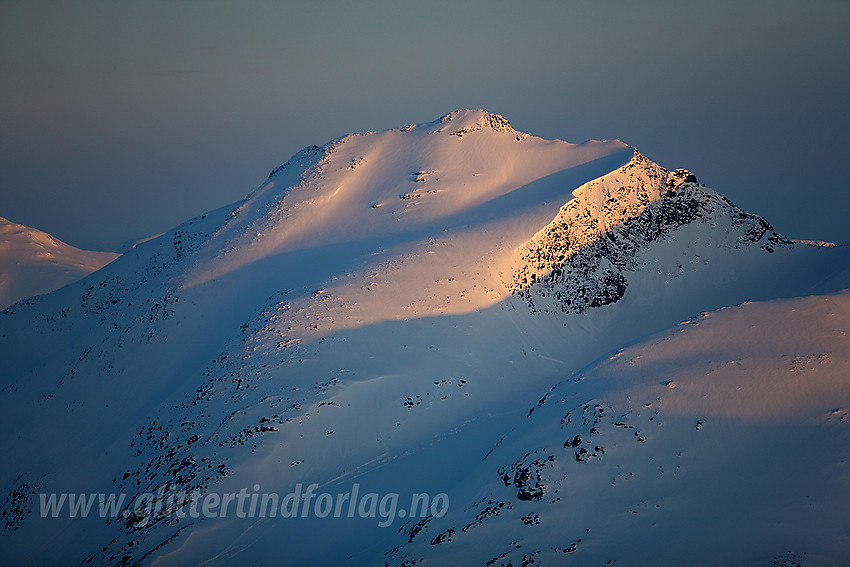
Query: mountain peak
{"points": [[466, 120], [33, 262]]}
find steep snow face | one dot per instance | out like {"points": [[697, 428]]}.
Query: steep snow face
{"points": [[725, 440], [362, 306], [33, 262]]}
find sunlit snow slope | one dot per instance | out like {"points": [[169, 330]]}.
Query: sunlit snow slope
{"points": [[33, 262], [723, 441], [381, 311]]}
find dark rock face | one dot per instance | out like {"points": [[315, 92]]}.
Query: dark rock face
{"points": [[526, 476]]}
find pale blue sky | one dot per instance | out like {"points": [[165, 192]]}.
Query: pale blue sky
{"points": [[122, 119]]}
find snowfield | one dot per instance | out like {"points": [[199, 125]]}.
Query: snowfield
{"points": [[540, 332]]}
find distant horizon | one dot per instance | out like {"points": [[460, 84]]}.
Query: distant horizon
{"points": [[118, 122]]}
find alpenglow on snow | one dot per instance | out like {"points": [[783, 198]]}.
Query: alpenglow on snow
{"points": [[538, 338]]}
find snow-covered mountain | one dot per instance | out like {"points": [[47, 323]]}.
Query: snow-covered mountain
{"points": [[382, 313], [33, 262]]}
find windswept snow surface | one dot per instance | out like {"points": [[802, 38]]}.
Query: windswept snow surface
{"points": [[33, 262], [382, 312]]}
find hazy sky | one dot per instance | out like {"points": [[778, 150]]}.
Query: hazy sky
{"points": [[122, 119]]}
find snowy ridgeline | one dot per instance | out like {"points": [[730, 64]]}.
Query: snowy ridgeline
{"points": [[389, 311]]}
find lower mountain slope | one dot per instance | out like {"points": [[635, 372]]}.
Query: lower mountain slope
{"points": [[725, 440]]}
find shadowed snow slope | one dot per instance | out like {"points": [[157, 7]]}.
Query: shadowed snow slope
{"points": [[381, 312], [723, 441], [33, 262]]}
